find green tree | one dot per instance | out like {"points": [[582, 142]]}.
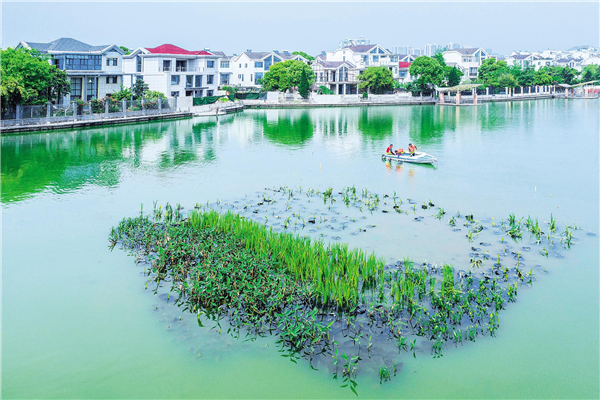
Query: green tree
{"points": [[303, 87], [490, 71], [28, 78], [454, 76], [590, 73], [506, 79], [286, 75], [427, 72], [122, 94], [308, 57], [376, 80], [542, 77], [440, 58], [154, 94], [125, 49], [139, 89]]}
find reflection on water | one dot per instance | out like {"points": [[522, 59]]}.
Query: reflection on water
{"points": [[66, 161]]}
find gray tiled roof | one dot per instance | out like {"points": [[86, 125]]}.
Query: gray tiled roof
{"points": [[335, 64], [361, 48], [467, 51], [520, 56], [65, 44], [220, 54], [255, 55]]}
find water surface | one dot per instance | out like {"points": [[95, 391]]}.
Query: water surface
{"points": [[78, 323]]}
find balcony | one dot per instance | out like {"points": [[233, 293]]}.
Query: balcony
{"points": [[180, 69]]}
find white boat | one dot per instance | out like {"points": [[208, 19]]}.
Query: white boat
{"points": [[418, 158]]}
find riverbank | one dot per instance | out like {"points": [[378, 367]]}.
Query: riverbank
{"points": [[16, 129]]}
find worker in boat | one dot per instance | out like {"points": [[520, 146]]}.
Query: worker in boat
{"points": [[400, 151], [390, 150], [411, 149]]}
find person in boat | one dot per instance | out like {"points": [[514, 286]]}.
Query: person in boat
{"points": [[390, 150], [400, 151], [411, 149]]}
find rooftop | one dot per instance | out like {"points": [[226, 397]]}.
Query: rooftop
{"points": [[64, 44]]}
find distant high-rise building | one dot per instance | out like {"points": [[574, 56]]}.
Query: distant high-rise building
{"points": [[400, 50], [431, 49], [354, 42]]}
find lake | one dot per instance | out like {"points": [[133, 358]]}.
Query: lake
{"points": [[77, 321]]}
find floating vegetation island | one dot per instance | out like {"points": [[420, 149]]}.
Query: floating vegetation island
{"points": [[260, 267]]}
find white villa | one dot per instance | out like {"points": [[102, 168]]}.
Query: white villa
{"points": [[94, 71], [247, 69], [339, 69], [173, 71], [468, 60]]}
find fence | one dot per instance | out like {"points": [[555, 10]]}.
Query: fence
{"points": [[97, 109]]}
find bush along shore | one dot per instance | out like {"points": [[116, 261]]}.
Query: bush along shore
{"points": [[334, 306]]}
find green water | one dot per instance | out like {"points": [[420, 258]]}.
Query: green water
{"points": [[77, 322]]}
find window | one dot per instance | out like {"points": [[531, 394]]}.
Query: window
{"points": [[198, 80], [111, 80], [139, 64], [210, 64], [112, 62], [240, 65], [250, 77], [246, 65], [86, 62], [174, 94], [75, 87], [91, 88], [224, 79], [166, 65], [258, 64], [375, 59], [189, 81], [174, 79], [188, 93], [199, 93], [210, 79], [402, 74], [258, 77], [320, 77], [209, 92], [224, 64]]}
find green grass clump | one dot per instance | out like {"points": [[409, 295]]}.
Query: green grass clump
{"points": [[335, 274]]}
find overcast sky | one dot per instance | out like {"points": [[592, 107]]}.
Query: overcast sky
{"points": [[234, 27]]}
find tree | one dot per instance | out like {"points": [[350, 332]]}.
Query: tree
{"points": [[139, 89], [490, 71], [286, 75], [28, 78], [154, 94], [308, 57], [590, 73], [427, 72], [542, 77], [125, 49], [440, 58], [507, 80], [376, 80], [454, 76], [123, 94], [303, 87]]}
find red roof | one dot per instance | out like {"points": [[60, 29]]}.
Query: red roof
{"points": [[403, 64], [172, 49]]}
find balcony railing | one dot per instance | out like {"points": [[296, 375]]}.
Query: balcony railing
{"points": [[180, 69]]}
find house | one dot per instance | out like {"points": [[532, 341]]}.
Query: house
{"points": [[248, 68], [524, 60], [94, 71], [355, 59], [467, 60], [173, 70], [337, 76], [404, 62]]}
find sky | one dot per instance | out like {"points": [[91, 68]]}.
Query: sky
{"points": [[312, 26]]}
